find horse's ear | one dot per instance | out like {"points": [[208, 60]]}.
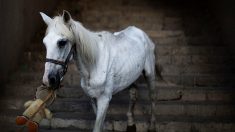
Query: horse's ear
{"points": [[66, 16], [46, 18]]}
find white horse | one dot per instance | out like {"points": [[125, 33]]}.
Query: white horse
{"points": [[107, 62]]}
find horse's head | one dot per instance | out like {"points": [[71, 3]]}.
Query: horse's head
{"points": [[59, 43]]}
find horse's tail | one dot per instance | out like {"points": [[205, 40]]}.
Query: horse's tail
{"points": [[158, 72], [158, 67]]}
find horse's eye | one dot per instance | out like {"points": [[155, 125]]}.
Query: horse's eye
{"points": [[61, 43]]}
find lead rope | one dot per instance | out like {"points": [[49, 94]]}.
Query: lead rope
{"points": [[40, 108]]}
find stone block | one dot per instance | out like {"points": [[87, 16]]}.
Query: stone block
{"points": [[172, 70], [172, 23], [180, 50], [173, 127], [194, 95], [181, 60], [220, 95], [171, 41], [119, 126], [163, 60], [71, 123], [163, 50]]}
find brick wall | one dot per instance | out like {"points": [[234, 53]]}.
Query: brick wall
{"points": [[187, 36], [223, 10], [19, 22]]}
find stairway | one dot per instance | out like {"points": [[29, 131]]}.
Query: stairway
{"points": [[197, 66]]}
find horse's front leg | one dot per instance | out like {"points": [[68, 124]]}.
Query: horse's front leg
{"points": [[102, 106]]}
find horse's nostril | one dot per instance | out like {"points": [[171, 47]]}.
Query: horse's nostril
{"points": [[54, 81]]}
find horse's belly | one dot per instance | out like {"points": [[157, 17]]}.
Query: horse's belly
{"points": [[124, 83], [127, 75]]}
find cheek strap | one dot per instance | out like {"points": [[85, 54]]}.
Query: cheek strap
{"points": [[64, 64]]}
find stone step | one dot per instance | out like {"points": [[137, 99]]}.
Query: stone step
{"points": [[117, 26], [141, 21], [195, 66], [181, 77], [170, 64], [166, 40], [120, 8], [66, 130], [167, 108], [160, 35], [166, 57], [75, 121], [191, 41], [165, 33], [169, 57], [9, 127], [208, 52], [180, 67], [26, 84], [71, 98], [163, 93], [203, 64], [126, 12], [141, 127], [201, 80]]}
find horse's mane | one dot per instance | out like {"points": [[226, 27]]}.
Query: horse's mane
{"points": [[86, 40]]}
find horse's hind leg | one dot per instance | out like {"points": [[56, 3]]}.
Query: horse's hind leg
{"points": [[130, 114], [149, 73], [93, 104]]}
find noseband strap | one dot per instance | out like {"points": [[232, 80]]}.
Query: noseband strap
{"points": [[56, 62], [64, 64]]}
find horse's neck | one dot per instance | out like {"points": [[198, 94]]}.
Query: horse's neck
{"points": [[82, 68], [87, 47]]}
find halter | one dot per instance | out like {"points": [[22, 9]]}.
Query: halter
{"points": [[64, 64]]}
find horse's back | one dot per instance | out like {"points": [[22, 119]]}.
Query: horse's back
{"points": [[130, 41], [131, 32]]}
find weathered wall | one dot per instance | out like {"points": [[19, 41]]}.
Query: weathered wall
{"points": [[224, 11], [19, 20]]}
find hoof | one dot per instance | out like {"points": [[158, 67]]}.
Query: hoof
{"points": [[131, 128]]}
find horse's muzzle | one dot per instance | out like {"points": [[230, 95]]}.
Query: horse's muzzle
{"points": [[54, 80]]}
